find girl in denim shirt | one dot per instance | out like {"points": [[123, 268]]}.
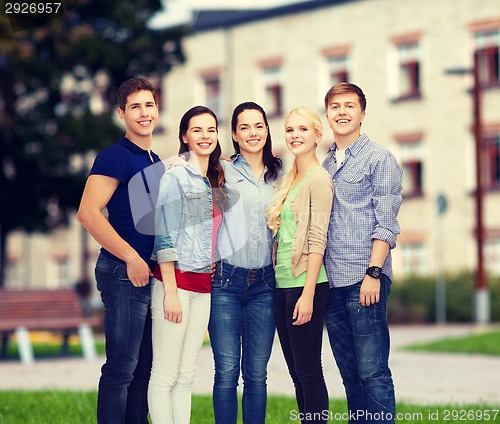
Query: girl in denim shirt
{"points": [[189, 213], [242, 324]]}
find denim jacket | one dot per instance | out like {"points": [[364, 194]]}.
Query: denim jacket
{"points": [[183, 220]]}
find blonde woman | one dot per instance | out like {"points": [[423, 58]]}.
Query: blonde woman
{"points": [[299, 215]]}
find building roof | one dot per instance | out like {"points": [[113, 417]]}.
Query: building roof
{"points": [[205, 20]]}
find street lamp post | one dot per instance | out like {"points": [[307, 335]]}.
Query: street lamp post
{"points": [[481, 294]]}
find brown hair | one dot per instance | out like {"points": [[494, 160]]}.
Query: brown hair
{"points": [[131, 86], [215, 172], [346, 87]]}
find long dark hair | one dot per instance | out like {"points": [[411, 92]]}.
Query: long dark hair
{"points": [[273, 163], [215, 173]]}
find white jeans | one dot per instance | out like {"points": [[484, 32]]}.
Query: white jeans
{"points": [[176, 347]]}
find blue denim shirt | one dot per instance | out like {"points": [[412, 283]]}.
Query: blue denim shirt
{"points": [[184, 220], [245, 240]]}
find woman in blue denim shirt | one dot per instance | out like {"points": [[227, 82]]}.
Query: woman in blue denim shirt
{"points": [[242, 324], [190, 205]]}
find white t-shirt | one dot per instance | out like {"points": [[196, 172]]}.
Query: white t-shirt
{"points": [[340, 156]]}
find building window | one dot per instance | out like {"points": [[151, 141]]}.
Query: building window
{"points": [[213, 93], [492, 256], [491, 162], [408, 54], [63, 271], [411, 149], [412, 178], [273, 90], [487, 47], [338, 66], [12, 277], [414, 259]]}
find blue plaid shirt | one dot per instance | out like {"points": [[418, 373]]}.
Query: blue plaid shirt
{"points": [[366, 200]]}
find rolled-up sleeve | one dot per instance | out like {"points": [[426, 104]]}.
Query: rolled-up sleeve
{"points": [[387, 199], [168, 219]]}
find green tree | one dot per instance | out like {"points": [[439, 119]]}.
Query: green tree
{"points": [[51, 75]]}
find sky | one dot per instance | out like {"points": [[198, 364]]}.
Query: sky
{"points": [[179, 11]]}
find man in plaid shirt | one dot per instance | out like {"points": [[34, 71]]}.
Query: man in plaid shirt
{"points": [[363, 228]]}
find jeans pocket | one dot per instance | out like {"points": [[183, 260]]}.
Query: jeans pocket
{"points": [[220, 281], [121, 272], [270, 283], [363, 318]]}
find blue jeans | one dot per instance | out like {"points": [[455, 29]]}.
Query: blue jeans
{"points": [[241, 331], [123, 386], [359, 338]]}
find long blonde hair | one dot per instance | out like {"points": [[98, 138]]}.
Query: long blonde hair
{"points": [[275, 207]]}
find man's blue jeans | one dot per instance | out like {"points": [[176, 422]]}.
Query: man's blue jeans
{"points": [[123, 387], [241, 328], [359, 338]]}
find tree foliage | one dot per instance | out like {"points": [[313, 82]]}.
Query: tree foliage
{"points": [[58, 84]]}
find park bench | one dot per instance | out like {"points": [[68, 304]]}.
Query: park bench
{"points": [[59, 310]]}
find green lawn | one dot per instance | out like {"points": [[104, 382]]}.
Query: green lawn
{"points": [[487, 343], [62, 407]]}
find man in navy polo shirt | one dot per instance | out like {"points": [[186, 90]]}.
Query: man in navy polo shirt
{"points": [[123, 267]]}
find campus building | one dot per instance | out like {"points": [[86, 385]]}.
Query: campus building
{"points": [[414, 61]]}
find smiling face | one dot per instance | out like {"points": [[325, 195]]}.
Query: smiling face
{"points": [[201, 135], [251, 132], [344, 115], [140, 116], [301, 136]]}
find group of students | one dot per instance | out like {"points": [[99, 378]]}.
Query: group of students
{"points": [[242, 249]]}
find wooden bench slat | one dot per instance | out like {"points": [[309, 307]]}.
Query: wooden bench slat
{"points": [[52, 310]]}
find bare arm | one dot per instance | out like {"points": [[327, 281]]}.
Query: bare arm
{"points": [[304, 307], [172, 310], [370, 288], [96, 195]]}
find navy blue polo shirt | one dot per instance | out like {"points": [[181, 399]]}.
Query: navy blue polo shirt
{"points": [[123, 160]]}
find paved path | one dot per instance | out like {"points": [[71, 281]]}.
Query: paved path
{"points": [[423, 378]]}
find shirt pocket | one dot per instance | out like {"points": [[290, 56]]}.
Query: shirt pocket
{"points": [[233, 180], [352, 186], [193, 201]]}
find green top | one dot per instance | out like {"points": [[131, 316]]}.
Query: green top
{"points": [[283, 268]]}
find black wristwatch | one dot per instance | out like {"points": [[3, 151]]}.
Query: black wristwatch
{"points": [[374, 271]]}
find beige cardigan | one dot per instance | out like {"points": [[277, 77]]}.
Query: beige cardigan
{"points": [[311, 208]]}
